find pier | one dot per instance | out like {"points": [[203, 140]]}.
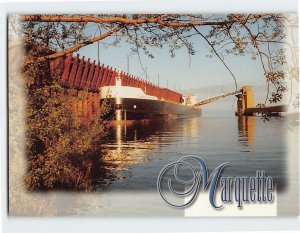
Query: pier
{"points": [[246, 107], [245, 103], [78, 74]]}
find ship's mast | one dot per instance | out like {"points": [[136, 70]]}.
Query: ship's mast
{"points": [[118, 105], [118, 78]]}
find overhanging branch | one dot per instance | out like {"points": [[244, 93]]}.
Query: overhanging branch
{"points": [[79, 45], [122, 20]]}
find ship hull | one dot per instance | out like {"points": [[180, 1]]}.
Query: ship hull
{"points": [[138, 109]]}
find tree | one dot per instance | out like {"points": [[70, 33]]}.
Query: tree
{"points": [[57, 135]]}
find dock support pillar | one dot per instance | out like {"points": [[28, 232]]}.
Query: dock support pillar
{"points": [[245, 101]]}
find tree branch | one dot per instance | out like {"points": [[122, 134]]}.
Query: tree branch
{"points": [[85, 18], [80, 45], [213, 48]]}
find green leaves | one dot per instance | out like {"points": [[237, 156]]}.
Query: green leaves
{"points": [[57, 134]]}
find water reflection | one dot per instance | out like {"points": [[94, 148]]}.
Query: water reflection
{"points": [[134, 153], [246, 127], [142, 131], [131, 143]]}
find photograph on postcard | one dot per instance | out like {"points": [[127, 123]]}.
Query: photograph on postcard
{"points": [[134, 115]]}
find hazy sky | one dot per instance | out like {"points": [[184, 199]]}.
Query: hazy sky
{"points": [[187, 72], [202, 75]]}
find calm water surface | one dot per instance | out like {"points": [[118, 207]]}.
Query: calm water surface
{"points": [[135, 153], [125, 170]]}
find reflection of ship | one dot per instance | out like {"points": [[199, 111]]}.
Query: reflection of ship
{"points": [[131, 143], [133, 99]]}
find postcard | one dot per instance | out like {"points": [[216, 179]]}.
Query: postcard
{"points": [[142, 115]]}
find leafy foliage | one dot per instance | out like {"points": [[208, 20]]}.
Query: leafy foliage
{"points": [[58, 135]]}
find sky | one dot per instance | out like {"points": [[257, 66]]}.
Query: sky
{"points": [[186, 72], [198, 74]]}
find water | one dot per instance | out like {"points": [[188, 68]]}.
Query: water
{"points": [[126, 169], [137, 152]]}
